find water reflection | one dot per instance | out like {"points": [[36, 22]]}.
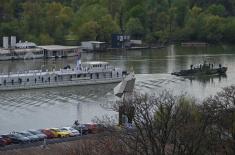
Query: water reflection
{"points": [[208, 79], [52, 107]]}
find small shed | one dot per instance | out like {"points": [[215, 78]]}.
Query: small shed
{"points": [[55, 51], [94, 46]]}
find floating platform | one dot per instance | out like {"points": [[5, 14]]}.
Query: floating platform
{"points": [[194, 44]]}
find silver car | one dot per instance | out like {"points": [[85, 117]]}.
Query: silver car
{"points": [[31, 137], [38, 133]]}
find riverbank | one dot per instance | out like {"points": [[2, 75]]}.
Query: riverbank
{"points": [[184, 126]]}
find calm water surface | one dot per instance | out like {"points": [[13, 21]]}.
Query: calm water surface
{"points": [[56, 107]]}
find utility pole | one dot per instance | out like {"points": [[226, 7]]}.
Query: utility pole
{"points": [[122, 28]]}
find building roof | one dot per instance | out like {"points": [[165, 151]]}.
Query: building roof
{"points": [[58, 47], [94, 42]]}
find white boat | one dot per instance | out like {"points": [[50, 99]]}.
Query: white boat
{"points": [[86, 73], [21, 54]]}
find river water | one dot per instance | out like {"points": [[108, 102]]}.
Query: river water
{"points": [[57, 107]]}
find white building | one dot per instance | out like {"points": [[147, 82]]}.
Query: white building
{"points": [[93, 46]]}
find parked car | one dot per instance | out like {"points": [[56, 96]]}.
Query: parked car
{"points": [[38, 133], [31, 137], [7, 140], [72, 132], [58, 133], [17, 138], [2, 142], [81, 128], [94, 128], [48, 133]]}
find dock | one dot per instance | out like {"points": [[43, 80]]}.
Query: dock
{"points": [[38, 52], [29, 50], [135, 48], [194, 44]]}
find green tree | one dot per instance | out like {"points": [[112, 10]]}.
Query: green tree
{"points": [[139, 12], [182, 8], [213, 28], [60, 18], [135, 28], [113, 6], [89, 31], [45, 39], [194, 25], [32, 18], [157, 20], [229, 29], [107, 27], [217, 10], [7, 10], [10, 28]]}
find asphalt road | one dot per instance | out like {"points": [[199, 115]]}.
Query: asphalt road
{"points": [[48, 141]]}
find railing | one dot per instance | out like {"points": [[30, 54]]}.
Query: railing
{"points": [[64, 71], [59, 83]]}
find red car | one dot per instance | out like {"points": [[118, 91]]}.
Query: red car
{"points": [[6, 139], [94, 128], [2, 142], [48, 133]]}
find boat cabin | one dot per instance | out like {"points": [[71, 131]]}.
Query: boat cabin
{"points": [[96, 65]]}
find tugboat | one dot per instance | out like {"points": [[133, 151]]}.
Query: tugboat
{"points": [[205, 69]]}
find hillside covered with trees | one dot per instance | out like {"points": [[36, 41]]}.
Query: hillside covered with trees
{"points": [[55, 21]]}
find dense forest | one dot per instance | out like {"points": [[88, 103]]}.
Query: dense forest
{"points": [[154, 21]]}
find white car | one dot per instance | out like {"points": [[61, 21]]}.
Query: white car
{"points": [[72, 132]]}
